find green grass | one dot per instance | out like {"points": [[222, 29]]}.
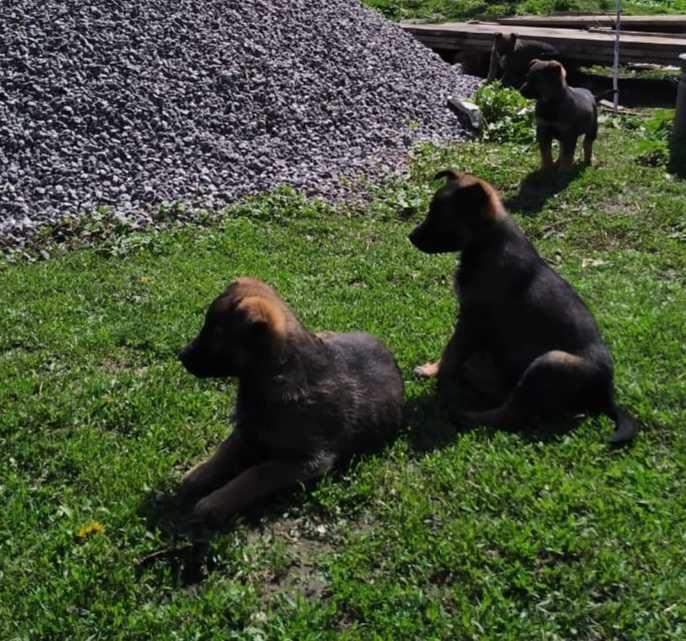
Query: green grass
{"points": [[437, 10], [478, 535]]}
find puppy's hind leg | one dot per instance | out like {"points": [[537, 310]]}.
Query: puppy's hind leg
{"points": [[554, 385], [588, 150]]}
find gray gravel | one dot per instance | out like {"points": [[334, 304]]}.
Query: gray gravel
{"points": [[134, 103]]}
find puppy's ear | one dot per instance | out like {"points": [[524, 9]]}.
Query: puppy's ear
{"points": [[266, 322], [450, 174], [560, 70], [475, 193], [483, 200], [513, 39], [499, 37]]}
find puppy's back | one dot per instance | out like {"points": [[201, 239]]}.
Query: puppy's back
{"points": [[370, 383]]}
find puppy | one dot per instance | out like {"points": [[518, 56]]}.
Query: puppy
{"points": [[524, 338], [511, 57], [562, 113], [306, 402]]}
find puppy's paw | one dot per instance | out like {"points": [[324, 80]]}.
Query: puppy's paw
{"points": [[428, 370], [193, 484], [208, 512], [187, 492]]}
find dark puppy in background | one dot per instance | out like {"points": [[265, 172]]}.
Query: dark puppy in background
{"points": [[523, 338], [306, 402], [511, 57], [562, 113]]}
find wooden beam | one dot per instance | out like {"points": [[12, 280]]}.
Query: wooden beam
{"points": [[629, 32], [675, 24], [573, 44]]}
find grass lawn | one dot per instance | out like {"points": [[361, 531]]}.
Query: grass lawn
{"points": [[436, 10], [455, 536]]}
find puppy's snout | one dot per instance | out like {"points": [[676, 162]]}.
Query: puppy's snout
{"points": [[413, 234], [188, 354], [417, 236]]}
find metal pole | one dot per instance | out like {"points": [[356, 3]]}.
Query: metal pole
{"points": [[615, 75], [678, 149]]}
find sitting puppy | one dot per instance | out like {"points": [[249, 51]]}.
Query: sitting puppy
{"points": [[524, 338], [562, 112], [306, 402], [511, 58]]}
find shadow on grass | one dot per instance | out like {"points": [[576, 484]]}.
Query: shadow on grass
{"points": [[186, 552], [431, 427], [538, 187], [187, 549]]}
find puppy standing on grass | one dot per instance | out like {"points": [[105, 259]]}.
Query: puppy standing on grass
{"points": [[306, 402], [524, 338], [562, 113]]}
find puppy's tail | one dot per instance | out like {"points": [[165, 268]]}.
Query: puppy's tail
{"points": [[626, 427]]}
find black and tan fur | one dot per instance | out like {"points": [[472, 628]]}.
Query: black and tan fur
{"points": [[523, 338], [563, 113], [511, 57], [306, 402]]}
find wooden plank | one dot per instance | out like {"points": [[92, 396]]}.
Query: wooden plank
{"points": [[627, 32], [609, 106], [676, 23], [573, 44]]}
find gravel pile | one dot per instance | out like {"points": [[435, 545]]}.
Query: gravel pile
{"points": [[134, 103]]}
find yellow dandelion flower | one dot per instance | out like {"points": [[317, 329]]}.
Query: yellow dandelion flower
{"points": [[94, 527]]}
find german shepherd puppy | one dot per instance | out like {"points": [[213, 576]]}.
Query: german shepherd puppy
{"points": [[522, 328], [562, 113], [511, 58], [306, 402]]}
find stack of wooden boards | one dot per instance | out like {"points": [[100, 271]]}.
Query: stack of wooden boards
{"points": [[588, 39]]}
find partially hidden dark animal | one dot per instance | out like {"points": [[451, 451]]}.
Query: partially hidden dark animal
{"points": [[511, 57], [563, 113], [524, 338], [305, 403]]}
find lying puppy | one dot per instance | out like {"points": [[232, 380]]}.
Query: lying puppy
{"points": [[306, 402], [521, 328], [511, 58], [562, 113]]}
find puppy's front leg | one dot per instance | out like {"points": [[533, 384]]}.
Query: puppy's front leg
{"points": [[545, 145], [588, 150], [428, 370], [251, 485], [231, 457], [567, 149], [452, 356]]}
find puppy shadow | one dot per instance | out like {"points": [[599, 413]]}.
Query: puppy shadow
{"points": [[427, 427], [539, 186], [187, 547], [432, 426]]}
